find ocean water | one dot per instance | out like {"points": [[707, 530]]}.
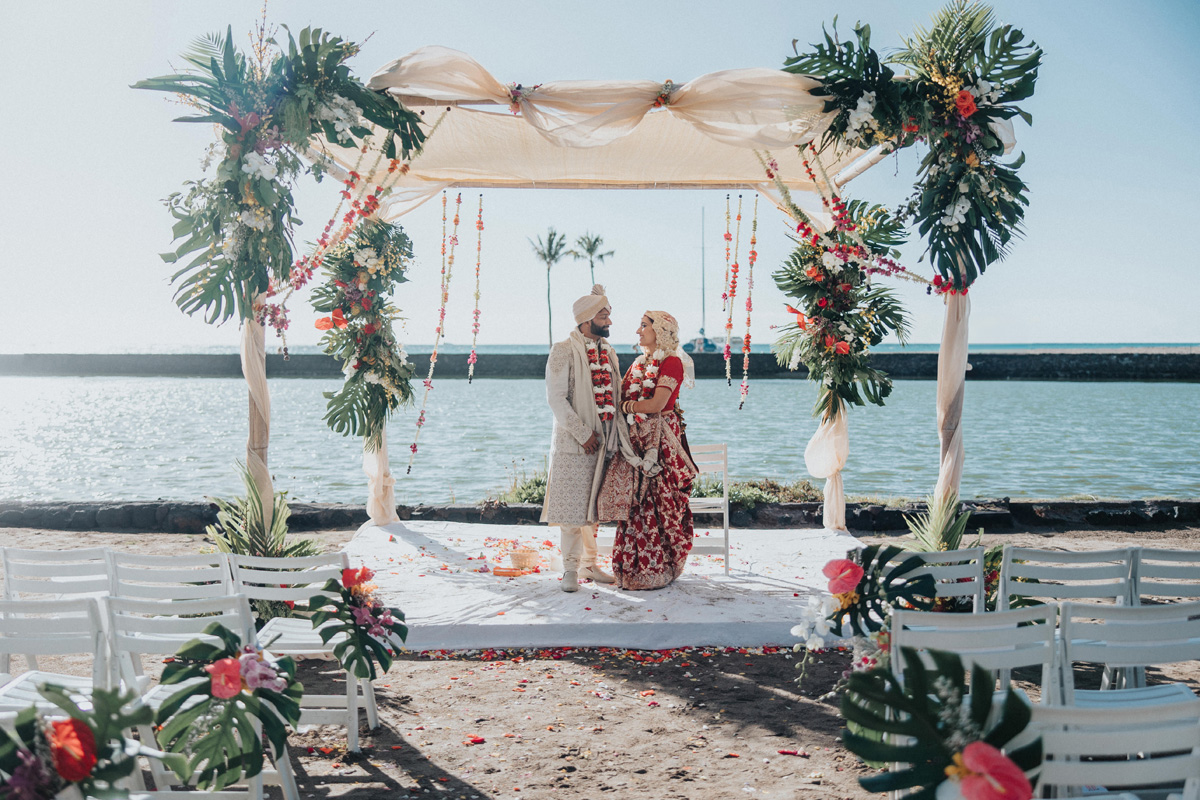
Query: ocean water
{"points": [[78, 439]]}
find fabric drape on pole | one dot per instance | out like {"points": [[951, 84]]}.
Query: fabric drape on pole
{"points": [[381, 486], [824, 457], [951, 389], [254, 368]]}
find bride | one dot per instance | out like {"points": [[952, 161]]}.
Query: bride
{"points": [[652, 544]]}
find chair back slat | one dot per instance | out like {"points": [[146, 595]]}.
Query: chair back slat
{"points": [[1062, 575], [1166, 573], [957, 573], [286, 579], [185, 577], [1135, 636], [54, 573], [1126, 747], [52, 627], [998, 641]]}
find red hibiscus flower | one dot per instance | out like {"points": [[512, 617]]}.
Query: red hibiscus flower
{"points": [[843, 575], [226, 677], [988, 774], [73, 746], [354, 577], [965, 104]]}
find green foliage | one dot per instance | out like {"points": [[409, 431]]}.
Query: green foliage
{"points": [[109, 716], [240, 530], [363, 273], [940, 528], [883, 586], [841, 315], [357, 651], [218, 737], [750, 494], [930, 719], [235, 229], [589, 248], [550, 252], [966, 204]]}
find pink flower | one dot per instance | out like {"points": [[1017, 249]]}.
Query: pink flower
{"points": [[843, 575], [226, 677], [988, 774], [258, 674]]}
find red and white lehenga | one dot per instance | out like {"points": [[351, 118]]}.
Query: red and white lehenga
{"points": [[651, 547]]}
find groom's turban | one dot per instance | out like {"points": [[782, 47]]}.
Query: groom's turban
{"points": [[589, 305]]}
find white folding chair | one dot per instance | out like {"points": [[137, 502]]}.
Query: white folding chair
{"points": [[50, 628], [957, 573], [298, 580], [139, 627], [1128, 637], [999, 641], [1159, 572], [712, 459], [1141, 747], [54, 573], [176, 577], [1027, 572]]}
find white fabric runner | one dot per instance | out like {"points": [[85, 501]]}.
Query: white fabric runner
{"points": [[951, 389], [381, 486], [254, 368], [824, 457]]}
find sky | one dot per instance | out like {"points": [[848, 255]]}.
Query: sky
{"points": [[86, 161]]}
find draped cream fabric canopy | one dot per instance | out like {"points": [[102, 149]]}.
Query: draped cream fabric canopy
{"points": [[708, 134], [713, 132]]}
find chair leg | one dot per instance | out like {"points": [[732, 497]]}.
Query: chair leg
{"points": [[162, 777], [727, 540], [368, 690], [287, 777], [351, 713]]}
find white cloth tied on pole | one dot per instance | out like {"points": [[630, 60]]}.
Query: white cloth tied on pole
{"points": [[381, 486], [951, 389], [254, 368], [824, 457]]}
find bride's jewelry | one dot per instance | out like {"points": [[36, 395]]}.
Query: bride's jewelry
{"points": [[643, 377]]}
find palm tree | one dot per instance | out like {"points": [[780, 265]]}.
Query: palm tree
{"points": [[551, 252], [589, 247]]}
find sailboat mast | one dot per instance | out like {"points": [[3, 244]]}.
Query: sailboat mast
{"points": [[703, 291]]}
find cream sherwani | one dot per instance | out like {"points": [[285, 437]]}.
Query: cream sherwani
{"points": [[574, 475]]}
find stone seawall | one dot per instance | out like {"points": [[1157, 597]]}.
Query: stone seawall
{"points": [[1173, 364], [994, 516]]}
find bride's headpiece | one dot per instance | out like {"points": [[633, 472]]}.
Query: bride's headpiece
{"points": [[666, 333]]}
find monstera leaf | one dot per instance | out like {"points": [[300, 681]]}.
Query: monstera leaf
{"points": [[882, 586], [929, 720]]}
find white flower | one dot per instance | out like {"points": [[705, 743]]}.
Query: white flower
{"points": [[256, 164], [371, 377], [830, 261], [800, 631], [815, 643], [350, 370], [256, 219]]}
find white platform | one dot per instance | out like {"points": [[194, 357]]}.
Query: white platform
{"points": [[431, 571]]}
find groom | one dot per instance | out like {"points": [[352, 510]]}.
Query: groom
{"points": [[583, 386]]}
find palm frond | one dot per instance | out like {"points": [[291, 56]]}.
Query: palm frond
{"points": [[958, 30], [940, 528], [205, 49]]}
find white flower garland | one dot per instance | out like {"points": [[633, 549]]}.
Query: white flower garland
{"points": [[643, 378]]}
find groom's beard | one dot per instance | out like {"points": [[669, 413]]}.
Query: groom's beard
{"points": [[597, 330]]}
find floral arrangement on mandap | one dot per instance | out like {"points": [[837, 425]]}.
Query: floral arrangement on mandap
{"points": [[863, 588], [940, 738], [362, 273], [231, 696], [965, 76], [366, 630], [85, 753], [839, 315], [272, 110]]}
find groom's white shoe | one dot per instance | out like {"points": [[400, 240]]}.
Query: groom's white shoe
{"points": [[596, 574], [570, 581]]}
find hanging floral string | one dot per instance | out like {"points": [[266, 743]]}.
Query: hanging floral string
{"points": [[732, 293], [363, 203], [447, 271], [471, 359], [728, 241], [751, 257]]}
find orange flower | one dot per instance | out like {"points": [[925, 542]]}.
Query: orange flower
{"points": [[813, 272], [801, 320], [336, 319], [965, 103], [830, 342], [842, 347], [73, 746]]}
